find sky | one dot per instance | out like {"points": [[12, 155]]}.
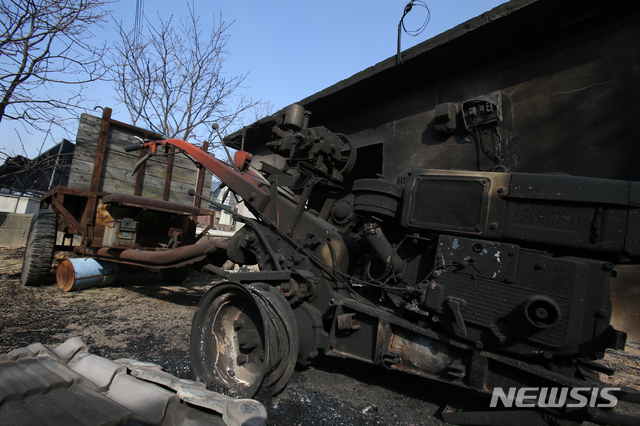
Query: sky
{"points": [[291, 49]]}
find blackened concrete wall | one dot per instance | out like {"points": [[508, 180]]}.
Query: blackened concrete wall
{"points": [[568, 72]]}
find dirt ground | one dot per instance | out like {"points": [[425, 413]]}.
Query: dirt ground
{"points": [[143, 319]]}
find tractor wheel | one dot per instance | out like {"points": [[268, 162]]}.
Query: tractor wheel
{"points": [[38, 254], [175, 276], [244, 338]]}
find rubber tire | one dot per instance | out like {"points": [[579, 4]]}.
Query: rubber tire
{"points": [[214, 345], [38, 255], [175, 276]]}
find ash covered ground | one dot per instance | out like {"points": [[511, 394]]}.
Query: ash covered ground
{"points": [[143, 319]]}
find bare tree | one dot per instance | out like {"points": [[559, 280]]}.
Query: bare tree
{"points": [[171, 79], [43, 45]]}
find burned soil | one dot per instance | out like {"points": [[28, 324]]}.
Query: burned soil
{"points": [[144, 319]]}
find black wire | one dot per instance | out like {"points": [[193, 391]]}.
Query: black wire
{"points": [[482, 147], [407, 9], [412, 33]]}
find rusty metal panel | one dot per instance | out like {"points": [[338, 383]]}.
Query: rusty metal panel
{"points": [[120, 233]]}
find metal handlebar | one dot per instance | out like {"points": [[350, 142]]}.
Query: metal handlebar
{"points": [[134, 147]]}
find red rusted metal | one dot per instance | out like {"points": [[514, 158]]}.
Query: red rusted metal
{"points": [[87, 217], [100, 149], [56, 199], [197, 201], [150, 203], [159, 258], [241, 160], [58, 206], [209, 226], [246, 184], [254, 190]]}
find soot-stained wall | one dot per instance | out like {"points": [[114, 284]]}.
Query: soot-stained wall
{"points": [[567, 73]]}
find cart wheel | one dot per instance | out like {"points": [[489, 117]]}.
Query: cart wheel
{"points": [[38, 254], [175, 276]]}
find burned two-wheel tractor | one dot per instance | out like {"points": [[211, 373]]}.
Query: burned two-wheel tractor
{"points": [[468, 278], [461, 277]]}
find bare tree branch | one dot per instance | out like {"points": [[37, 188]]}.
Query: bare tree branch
{"points": [[43, 45], [171, 78]]}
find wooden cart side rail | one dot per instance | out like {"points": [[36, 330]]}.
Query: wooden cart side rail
{"points": [[166, 177], [149, 135]]}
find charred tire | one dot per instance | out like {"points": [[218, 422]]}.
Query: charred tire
{"points": [[38, 254], [244, 338], [175, 276]]}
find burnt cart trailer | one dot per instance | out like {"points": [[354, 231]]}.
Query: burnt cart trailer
{"points": [[120, 208]]}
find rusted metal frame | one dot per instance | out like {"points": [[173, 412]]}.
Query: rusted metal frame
{"points": [[90, 210], [302, 202], [152, 207], [200, 180], [157, 258], [273, 193], [384, 355], [497, 379], [262, 276], [56, 199], [209, 226], [216, 270], [334, 346], [137, 190], [252, 190], [395, 320], [478, 372], [383, 339], [58, 206], [273, 255], [275, 180], [69, 191], [146, 207]]}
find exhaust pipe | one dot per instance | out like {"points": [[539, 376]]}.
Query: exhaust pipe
{"points": [[169, 257]]}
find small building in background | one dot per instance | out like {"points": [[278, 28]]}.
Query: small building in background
{"points": [[23, 181], [223, 221]]}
